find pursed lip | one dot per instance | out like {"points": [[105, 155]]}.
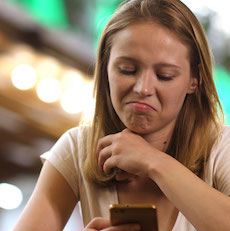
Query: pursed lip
{"points": [[142, 106]]}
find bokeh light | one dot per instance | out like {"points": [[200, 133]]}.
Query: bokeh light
{"points": [[72, 79], [48, 67], [49, 90], [72, 100], [23, 77], [10, 196], [77, 99]]}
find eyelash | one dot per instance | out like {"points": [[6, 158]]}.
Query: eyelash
{"points": [[126, 72], [164, 78], [160, 77]]}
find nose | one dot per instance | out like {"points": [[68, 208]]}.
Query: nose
{"points": [[144, 85]]}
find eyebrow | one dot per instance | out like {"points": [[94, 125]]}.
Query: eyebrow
{"points": [[127, 59], [160, 64], [164, 64]]}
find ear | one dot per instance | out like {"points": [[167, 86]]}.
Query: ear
{"points": [[195, 81], [192, 85]]}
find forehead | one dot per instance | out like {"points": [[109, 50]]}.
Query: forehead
{"points": [[148, 39]]}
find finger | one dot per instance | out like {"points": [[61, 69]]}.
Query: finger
{"points": [[105, 141], [98, 223], [130, 227], [127, 130], [103, 155], [110, 163]]}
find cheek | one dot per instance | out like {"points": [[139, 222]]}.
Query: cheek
{"points": [[114, 90], [173, 99], [117, 86]]}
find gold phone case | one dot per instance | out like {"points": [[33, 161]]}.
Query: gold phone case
{"points": [[143, 214]]}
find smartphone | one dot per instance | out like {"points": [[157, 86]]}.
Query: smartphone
{"points": [[143, 214]]}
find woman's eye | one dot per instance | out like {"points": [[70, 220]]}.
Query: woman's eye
{"points": [[127, 72], [164, 78]]}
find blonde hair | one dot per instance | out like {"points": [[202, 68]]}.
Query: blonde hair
{"points": [[198, 123]]}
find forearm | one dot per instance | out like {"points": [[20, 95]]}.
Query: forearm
{"points": [[205, 207], [38, 216], [50, 205]]}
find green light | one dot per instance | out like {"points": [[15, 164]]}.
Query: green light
{"points": [[103, 12], [50, 13], [222, 81]]}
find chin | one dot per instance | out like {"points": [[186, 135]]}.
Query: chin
{"points": [[139, 129], [139, 124]]}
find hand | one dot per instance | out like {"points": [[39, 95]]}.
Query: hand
{"points": [[103, 224], [126, 151]]}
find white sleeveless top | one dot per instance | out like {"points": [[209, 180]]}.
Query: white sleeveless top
{"points": [[68, 158]]}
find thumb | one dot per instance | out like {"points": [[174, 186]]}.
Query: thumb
{"points": [[98, 223]]}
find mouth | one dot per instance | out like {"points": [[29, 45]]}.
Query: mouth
{"points": [[141, 106]]}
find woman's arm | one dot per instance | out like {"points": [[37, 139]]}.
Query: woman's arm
{"points": [[50, 205], [205, 207]]}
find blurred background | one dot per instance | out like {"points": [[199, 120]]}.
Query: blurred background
{"points": [[47, 57]]}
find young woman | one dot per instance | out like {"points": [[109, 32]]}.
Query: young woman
{"points": [[157, 135]]}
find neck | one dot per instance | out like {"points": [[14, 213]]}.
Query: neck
{"points": [[160, 139]]}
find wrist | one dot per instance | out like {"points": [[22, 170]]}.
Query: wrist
{"points": [[159, 166]]}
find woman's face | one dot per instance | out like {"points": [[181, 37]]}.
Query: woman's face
{"points": [[149, 76]]}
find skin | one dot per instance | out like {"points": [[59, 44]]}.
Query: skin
{"points": [[147, 93], [148, 106], [45, 203], [104, 224], [149, 77]]}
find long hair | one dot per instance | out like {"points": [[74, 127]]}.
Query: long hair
{"points": [[200, 118]]}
